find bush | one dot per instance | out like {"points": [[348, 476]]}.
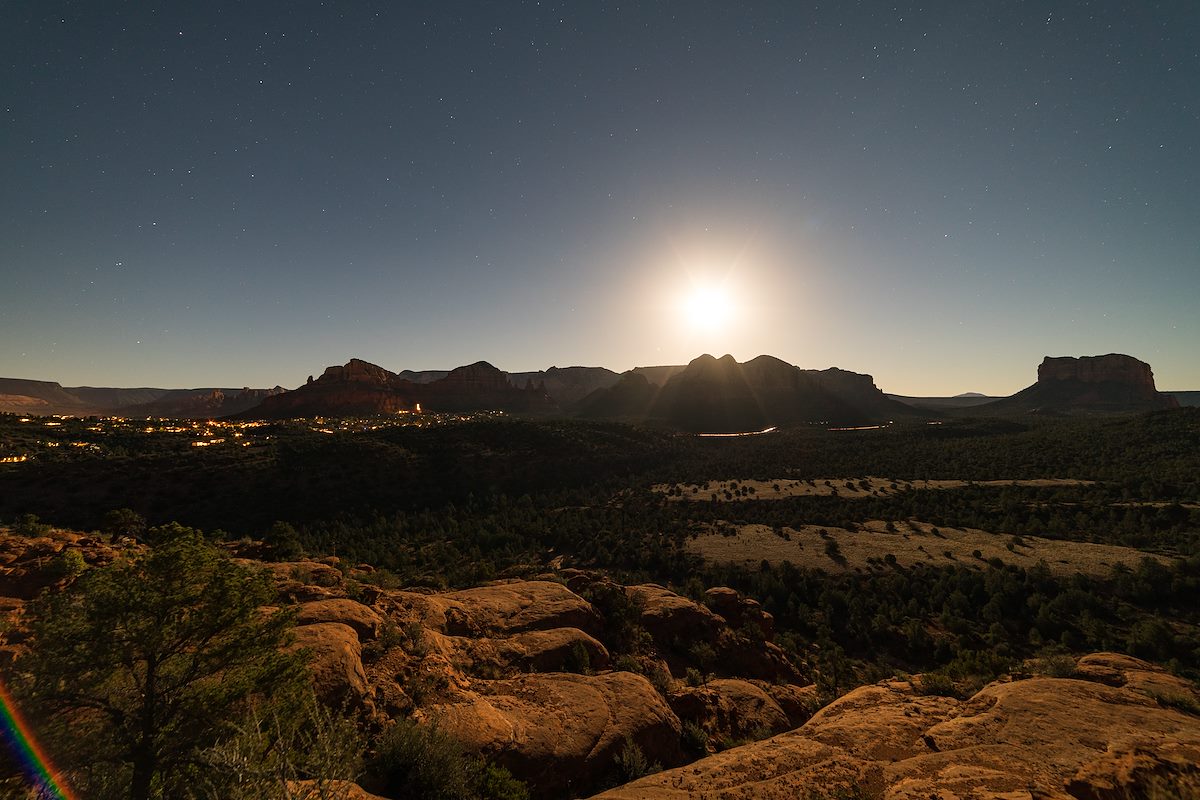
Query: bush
{"points": [[423, 761], [662, 681], [578, 660], [632, 763], [29, 525], [1055, 665], [936, 683], [67, 563], [694, 739]]}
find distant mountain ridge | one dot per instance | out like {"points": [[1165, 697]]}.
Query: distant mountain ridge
{"points": [[965, 400], [708, 394], [21, 396]]}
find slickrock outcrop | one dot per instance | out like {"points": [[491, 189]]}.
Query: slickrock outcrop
{"points": [[509, 608], [1038, 737], [672, 620], [740, 611], [555, 650], [27, 566], [729, 709], [336, 662], [330, 790], [362, 619], [558, 731]]}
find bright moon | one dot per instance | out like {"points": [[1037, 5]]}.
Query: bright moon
{"points": [[707, 308]]}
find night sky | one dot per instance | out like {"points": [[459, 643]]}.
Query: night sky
{"points": [[940, 194]]}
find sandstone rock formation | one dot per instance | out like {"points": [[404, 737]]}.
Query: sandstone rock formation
{"points": [[729, 709], [336, 662], [364, 621], [361, 388], [1032, 738], [510, 608], [559, 731], [519, 670]]}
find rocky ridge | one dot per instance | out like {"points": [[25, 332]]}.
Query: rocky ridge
{"points": [[46, 398], [361, 388]]}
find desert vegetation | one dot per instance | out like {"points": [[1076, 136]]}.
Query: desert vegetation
{"points": [[988, 546]]}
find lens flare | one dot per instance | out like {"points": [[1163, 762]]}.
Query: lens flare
{"points": [[34, 760]]}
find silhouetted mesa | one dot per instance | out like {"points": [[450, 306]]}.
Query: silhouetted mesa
{"points": [[714, 395], [1113, 383]]}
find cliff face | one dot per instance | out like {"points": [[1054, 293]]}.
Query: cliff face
{"points": [[1112, 368], [358, 371]]}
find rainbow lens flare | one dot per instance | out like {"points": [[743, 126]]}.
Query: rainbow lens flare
{"points": [[33, 758]]}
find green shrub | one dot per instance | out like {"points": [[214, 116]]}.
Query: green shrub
{"points": [[936, 683], [578, 660], [662, 681], [632, 763], [1055, 665], [627, 663], [67, 563], [423, 761], [29, 525], [1187, 703], [694, 739]]}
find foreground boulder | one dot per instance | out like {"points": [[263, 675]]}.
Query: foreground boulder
{"points": [[362, 619], [729, 710], [560, 732], [507, 608], [336, 662], [1034, 738]]}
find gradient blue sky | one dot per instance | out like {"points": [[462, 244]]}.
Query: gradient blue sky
{"points": [[938, 194]]}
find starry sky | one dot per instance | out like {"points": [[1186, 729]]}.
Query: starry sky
{"points": [[938, 194]]}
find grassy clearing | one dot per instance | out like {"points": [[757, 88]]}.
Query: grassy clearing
{"points": [[908, 543], [831, 487]]}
